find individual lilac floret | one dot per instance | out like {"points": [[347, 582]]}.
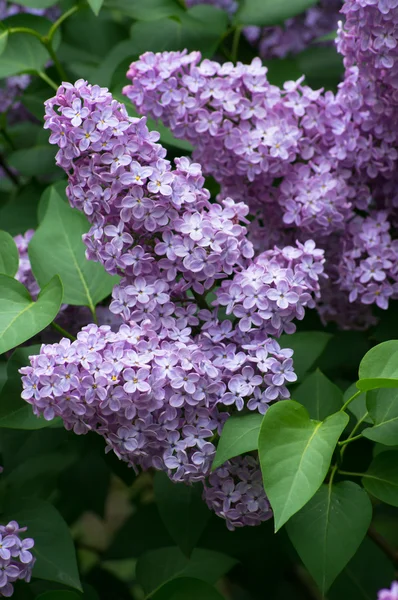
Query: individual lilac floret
{"points": [[24, 273], [16, 559], [391, 594], [158, 402], [236, 493]]}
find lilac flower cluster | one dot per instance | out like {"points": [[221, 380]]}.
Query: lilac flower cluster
{"points": [[305, 161], [16, 560], [157, 401], [161, 387], [389, 594], [235, 492]]}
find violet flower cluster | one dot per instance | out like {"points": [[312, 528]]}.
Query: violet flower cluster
{"points": [[307, 162], [16, 559], [160, 388], [389, 594], [24, 274]]}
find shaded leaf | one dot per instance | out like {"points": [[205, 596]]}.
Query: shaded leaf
{"points": [[150, 10], [308, 347], [270, 12], [381, 479], [187, 588], [295, 454], [358, 406], [54, 549], [329, 529], [35, 161], [319, 395], [9, 257], [16, 413], [158, 567], [182, 510], [239, 435], [20, 317]]}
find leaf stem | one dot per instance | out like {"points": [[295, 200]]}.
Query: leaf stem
{"points": [[47, 79], [63, 331], [61, 71], [350, 439], [27, 30], [59, 22], [94, 314], [382, 543], [358, 393], [350, 474], [351, 436]]}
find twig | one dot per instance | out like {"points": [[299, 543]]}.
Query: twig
{"points": [[382, 543]]}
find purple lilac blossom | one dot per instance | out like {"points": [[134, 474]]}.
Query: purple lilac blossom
{"points": [[24, 273], [158, 401], [235, 492], [16, 559], [161, 387], [310, 159], [389, 594]]}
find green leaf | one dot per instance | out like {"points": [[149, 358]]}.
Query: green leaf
{"points": [[16, 413], [9, 257], [158, 567], [308, 347], [3, 40], [20, 317], [24, 52], [319, 395], [368, 572], [329, 530], [182, 510], [295, 454], [270, 12], [381, 479], [54, 549], [95, 5], [20, 213], [358, 406], [150, 10], [36, 3], [35, 161], [187, 588], [200, 28], [57, 248], [239, 435], [379, 367], [383, 408]]}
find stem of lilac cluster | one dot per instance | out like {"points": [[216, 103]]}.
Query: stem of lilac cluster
{"points": [[358, 393], [8, 171], [63, 331], [235, 43], [47, 79], [382, 543], [94, 314]]}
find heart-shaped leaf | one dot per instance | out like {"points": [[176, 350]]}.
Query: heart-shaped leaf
{"points": [[20, 317], [270, 12], [329, 529], [295, 454], [382, 405], [239, 435]]}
